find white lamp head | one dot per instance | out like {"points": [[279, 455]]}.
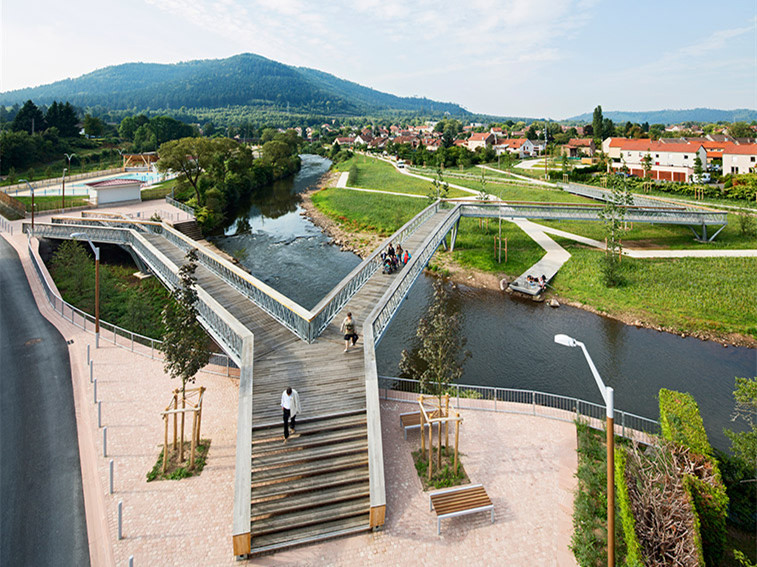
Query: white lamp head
{"points": [[565, 340]]}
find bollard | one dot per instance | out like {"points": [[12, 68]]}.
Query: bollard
{"points": [[95, 391], [110, 483], [120, 519], [89, 360], [91, 368], [99, 413], [105, 441], [131, 561]]}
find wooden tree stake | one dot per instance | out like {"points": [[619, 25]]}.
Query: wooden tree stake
{"points": [[446, 423], [175, 420], [194, 441], [457, 438], [165, 444]]}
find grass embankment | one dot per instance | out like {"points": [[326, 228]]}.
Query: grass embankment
{"points": [[704, 296], [52, 202], [373, 173], [159, 190], [125, 300], [676, 237]]}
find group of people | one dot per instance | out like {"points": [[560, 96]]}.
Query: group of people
{"points": [[540, 281], [393, 259]]}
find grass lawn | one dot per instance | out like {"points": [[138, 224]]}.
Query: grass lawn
{"points": [[374, 212], [662, 235], [159, 190], [517, 192], [50, 202], [376, 174], [684, 294], [474, 248]]}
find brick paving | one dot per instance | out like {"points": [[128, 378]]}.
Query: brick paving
{"points": [[526, 464]]}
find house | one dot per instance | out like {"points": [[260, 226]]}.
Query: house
{"points": [[522, 147], [538, 146], [410, 139], [363, 138], [480, 140], [345, 142], [739, 159], [669, 161], [577, 147], [378, 143], [112, 191]]}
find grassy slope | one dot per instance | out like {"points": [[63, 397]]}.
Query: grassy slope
{"points": [[50, 202], [685, 294], [376, 174]]}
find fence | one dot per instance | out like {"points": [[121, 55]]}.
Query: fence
{"points": [[180, 205], [220, 364], [528, 402], [57, 180]]}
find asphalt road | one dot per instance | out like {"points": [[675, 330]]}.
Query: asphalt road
{"points": [[41, 501]]}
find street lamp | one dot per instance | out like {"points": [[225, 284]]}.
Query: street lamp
{"points": [[96, 250], [63, 194], [32, 191], [608, 396]]}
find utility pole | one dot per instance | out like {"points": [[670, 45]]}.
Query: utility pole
{"points": [[545, 151]]}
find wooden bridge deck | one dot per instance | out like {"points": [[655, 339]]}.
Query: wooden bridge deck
{"points": [[316, 485]]}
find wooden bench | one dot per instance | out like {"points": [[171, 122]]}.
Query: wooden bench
{"points": [[411, 420], [459, 501]]}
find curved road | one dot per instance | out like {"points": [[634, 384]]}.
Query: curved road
{"points": [[41, 500]]}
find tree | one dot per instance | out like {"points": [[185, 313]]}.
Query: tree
{"points": [[646, 164], [130, 125], [740, 130], [93, 126], [698, 169], [744, 443], [29, 119], [613, 215], [439, 187], [64, 118], [440, 358], [184, 341], [597, 124], [189, 158]]}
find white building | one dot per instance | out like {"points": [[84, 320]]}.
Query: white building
{"points": [[669, 161], [740, 159], [116, 191]]}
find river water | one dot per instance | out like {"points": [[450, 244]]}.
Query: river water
{"points": [[511, 341]]}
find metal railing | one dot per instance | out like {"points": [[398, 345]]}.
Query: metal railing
{"points": [[6, 226], [527, 402], [393, 297], [659, 215], [220, 363], [40, 183], [180, 205]]}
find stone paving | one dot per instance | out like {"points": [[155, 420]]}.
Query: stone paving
{"points": [[527, 465]]}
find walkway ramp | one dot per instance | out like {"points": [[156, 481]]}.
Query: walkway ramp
{"points": [[549, 264]]}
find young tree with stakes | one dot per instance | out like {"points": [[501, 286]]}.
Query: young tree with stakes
{"points": [[184, 341], [613, 215]]}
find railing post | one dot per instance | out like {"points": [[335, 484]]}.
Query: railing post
{"points": [[110, 477], [623, 423], [105, 441], [533, 403], [120, 519], [94, 392]]}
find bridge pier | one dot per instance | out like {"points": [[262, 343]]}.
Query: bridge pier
{"points": [[453, 236]]}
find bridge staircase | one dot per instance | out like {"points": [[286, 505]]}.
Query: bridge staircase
{"points": [[318, 484]]}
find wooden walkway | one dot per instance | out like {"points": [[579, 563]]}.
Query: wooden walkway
{"points": [[315, 486]]}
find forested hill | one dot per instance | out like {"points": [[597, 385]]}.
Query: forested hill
{"points": [[242, 80], [673, 116]]}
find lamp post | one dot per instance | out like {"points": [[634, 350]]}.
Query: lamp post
{"points": [[63, 194], [96, 250], [32, 192], [608, 396]]}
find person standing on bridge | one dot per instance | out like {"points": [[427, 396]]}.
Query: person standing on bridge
{"points": [[348, 328], [290, 404]]}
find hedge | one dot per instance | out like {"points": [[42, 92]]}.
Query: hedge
{"points": [[681, 423], [633, 547]]}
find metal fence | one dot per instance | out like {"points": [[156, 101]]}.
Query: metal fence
{"points": [[180, 205], [527, 402], [6, 226], [40, 183], [220, 363]]}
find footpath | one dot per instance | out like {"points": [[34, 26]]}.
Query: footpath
{"points": [[527, 464]]}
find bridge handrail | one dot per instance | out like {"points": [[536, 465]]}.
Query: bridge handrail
{"points": [[86, 321], [387, 306], [529, 402], [337, 298], [180, 205]]}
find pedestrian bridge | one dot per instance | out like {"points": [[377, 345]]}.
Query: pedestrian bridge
{"points": [[329, 480]]}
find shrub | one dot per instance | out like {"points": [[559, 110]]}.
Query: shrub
{"points": [[352, 176], [682, 424], [628, 522]]}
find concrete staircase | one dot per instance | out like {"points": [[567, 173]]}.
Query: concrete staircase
{"points": [[189, 228]]}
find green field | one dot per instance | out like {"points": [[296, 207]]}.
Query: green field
{"points": [[376, 174], [373, 212], [671, 236], [52, 202], [685, 294]]}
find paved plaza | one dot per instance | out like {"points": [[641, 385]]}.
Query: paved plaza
{"points": [[526, 463]]}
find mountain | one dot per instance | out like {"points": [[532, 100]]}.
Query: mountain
{"points": [[242, 80], [673, 116]]}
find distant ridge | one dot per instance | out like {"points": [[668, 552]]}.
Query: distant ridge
{"points": [[673, 116], [242, 80]]}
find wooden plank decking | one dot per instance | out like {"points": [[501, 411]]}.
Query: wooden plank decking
{"points": [[316, 485]]}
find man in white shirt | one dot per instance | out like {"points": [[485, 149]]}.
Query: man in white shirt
{"points": [[290, 404]]}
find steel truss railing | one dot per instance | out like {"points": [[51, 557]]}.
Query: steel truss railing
{"points": [[528, 402]]}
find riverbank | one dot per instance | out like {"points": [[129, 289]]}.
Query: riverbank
{"points": [[363, 243]]}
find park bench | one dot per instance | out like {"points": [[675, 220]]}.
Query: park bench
{"points": [[411, 420], [459, 501]]}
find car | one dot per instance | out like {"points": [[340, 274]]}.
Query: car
{"points": [[701, 178]]}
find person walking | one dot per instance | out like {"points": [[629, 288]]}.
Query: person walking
{"points": [[290, 404], [348, 328]]}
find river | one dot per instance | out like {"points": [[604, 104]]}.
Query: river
{"points": [[511, 341]]}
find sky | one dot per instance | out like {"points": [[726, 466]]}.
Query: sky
{"points": [[531, 58]]}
